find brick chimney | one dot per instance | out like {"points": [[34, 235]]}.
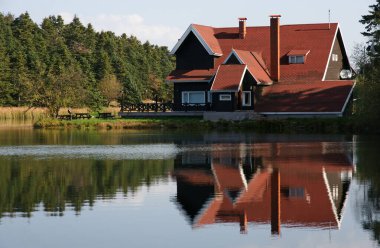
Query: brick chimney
{"points": [[242, 27], [275, 47]]}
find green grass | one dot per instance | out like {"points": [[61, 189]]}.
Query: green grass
{"points": [[130, 123], [345, 125]]}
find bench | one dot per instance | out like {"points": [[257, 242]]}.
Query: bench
{"points": [[66, 117], [82, 116], [105, 115]]}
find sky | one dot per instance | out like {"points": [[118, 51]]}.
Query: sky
{"points": [[162, 22]]}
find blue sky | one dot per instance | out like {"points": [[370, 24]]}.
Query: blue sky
{"points": [[163, 22]]}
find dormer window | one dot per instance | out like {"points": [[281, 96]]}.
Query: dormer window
{"points": [[297, 56], [296, 59]]}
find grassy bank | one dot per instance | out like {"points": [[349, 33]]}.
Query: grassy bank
{"points": [[146, 123], [330, 125]]}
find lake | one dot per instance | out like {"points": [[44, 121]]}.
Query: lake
{"points": [[187, 189]]}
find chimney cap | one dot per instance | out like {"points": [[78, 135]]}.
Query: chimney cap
{"points": [[242, 18], [275, 16]]}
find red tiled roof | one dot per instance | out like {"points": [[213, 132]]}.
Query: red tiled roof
{"points": [[316, 38], [228, 77], [208, 35], [255, 66], [298, 52], [191, 75], [323, 96]]}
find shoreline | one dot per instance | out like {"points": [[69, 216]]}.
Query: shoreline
{"points": [[341, 125]]}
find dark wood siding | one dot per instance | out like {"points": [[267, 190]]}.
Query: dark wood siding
{"points": [[248, 85], [224, 106], [236, 97], [233, 61], [192, 55], [335, 67], [193, 86]]}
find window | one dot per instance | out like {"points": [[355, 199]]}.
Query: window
{"points": [[246, 98], [296, 59], [293, 192], [335, 192], [335, 57], [193, 97], [225, 97]]}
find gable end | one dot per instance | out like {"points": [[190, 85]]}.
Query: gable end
{"points": [[337, 60]]}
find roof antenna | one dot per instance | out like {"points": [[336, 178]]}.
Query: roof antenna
{"points": [[329, 19]]}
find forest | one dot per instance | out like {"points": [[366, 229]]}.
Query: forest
{"points": [[56, 65], [367, 62]]}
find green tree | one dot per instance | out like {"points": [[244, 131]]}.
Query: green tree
{"points": [[372, 22], [65, 89], [368, 82], [7, 89], [111, 88], [33, 57]]}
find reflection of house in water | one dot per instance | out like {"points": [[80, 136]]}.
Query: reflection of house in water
{"points": [[293, 185]]}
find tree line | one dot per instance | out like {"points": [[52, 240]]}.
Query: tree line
{"points": [[56, 65], [367, 60], [58, 185]]}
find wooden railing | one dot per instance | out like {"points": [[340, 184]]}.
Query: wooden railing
{"points": [[163, 107], [147, 107]]}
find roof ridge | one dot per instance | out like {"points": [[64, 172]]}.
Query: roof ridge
{"points": [[267, 26], [203, 25]]}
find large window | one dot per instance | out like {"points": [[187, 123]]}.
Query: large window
{"points": [[193, 97], [296, 59]]}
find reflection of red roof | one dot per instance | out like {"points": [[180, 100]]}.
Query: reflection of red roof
{"points": [[328, 96], [191, 75], [304, 168], [228, 77], [195, 176], [228, 177]]}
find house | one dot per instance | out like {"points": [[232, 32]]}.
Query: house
{"points": [[287, 70], [273, 184]]}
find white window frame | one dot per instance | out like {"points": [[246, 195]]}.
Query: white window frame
{"points": [[334, 57], [244, 98], [296, 59], [186, 97], [209, 97], [225, 97]]}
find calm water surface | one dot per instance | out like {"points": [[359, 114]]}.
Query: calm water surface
{"points": [[183, 189]]}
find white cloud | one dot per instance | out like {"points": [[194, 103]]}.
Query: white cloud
{"points": [[133, 24], [67, 17]]}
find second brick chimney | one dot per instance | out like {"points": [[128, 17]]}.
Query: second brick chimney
{"points": [[275, 47], [242, 27]]}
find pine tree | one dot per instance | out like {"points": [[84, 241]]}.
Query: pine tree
{"points": [[35, 59]]}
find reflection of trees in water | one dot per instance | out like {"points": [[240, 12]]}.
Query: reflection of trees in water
{"points": [[57, 184], [368, 174]]}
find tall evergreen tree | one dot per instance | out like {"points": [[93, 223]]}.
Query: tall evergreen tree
{"points": [[35, 60]]}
